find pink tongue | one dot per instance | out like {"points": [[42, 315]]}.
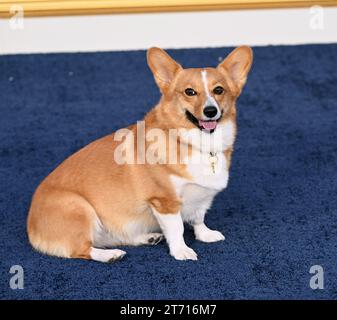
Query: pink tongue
{"points": [[209, 125]]}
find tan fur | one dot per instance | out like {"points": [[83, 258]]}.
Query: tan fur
{"points": [[90, 187]]}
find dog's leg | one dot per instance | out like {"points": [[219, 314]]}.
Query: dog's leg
{"points": [[62, 225], [173, 229], [201, 231], [194, 214], [196, 203]]}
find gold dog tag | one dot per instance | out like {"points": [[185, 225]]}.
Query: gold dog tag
{"points": [[213, 160]]}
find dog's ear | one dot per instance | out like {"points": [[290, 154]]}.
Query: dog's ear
{"points": [[163, 67], [237, 65]]}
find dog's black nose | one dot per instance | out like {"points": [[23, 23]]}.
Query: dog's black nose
{"points": [[210, 111]]}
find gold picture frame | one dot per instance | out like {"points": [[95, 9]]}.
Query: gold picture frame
{"points": [[78, 7]]}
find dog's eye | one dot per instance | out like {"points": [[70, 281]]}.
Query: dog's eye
{"points": [[218, 90], [190, 92]]}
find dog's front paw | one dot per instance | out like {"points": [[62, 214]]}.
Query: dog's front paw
{"points": [[208, 235], [184, 253]]}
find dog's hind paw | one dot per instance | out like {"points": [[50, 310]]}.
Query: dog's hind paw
{"points": [[106, 255], [149, 239], [155, 238]]}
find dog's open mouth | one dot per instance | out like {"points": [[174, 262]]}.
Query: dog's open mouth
{"points": [[208, 125]]}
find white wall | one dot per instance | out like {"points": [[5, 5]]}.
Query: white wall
{"points": [[169, 30]]}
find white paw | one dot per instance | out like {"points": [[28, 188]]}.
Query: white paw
{"points": [[107, 255], [209, 236], [184, 253]]}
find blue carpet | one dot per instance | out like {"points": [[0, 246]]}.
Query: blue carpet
{"points": [[279, 213]]}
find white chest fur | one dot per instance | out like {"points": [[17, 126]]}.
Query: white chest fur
{"points": [[203, 174], [209, 171], [207, 180], [197, 194]]}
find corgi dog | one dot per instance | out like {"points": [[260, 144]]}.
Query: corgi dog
{"points": [[101, 197]]}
